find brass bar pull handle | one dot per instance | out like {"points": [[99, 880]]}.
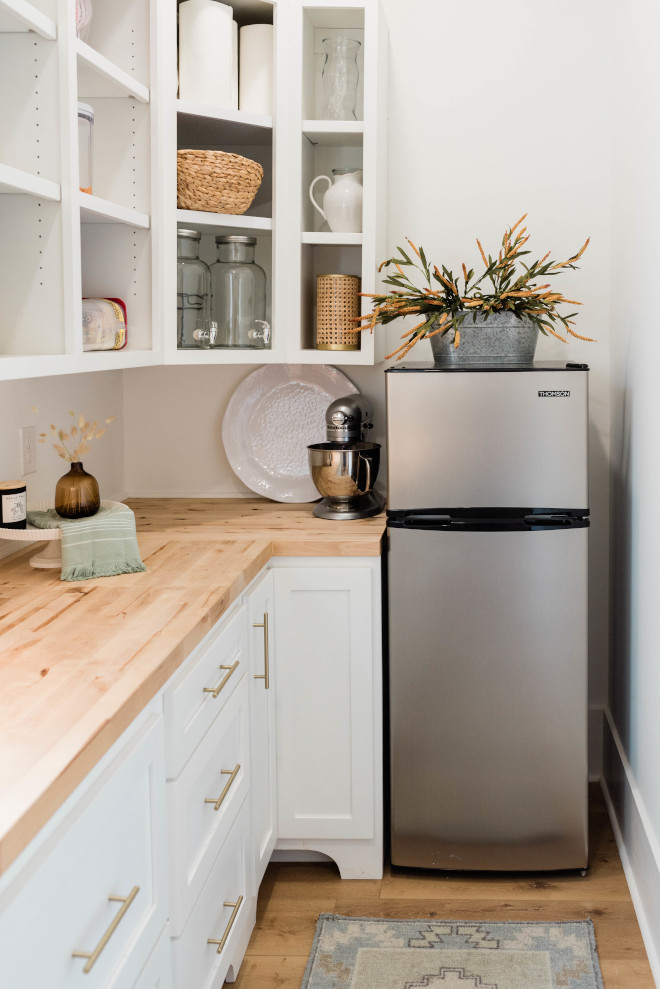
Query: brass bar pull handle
{"points": [[221, 942], [232, 776], [216, 690], [265, 676], [92, 956]]}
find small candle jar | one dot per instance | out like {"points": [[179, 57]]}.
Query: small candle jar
{"points": [[13, 505], [85, 145]]}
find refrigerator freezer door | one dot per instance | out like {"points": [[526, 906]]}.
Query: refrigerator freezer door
{"points": [[482, 438], [488, 699]]}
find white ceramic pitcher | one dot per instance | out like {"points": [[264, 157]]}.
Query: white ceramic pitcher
{"points": [[342, 200]]}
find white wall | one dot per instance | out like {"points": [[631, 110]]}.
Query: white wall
{"points": [[633, 735]]}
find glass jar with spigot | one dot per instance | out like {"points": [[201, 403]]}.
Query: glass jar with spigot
{"points": [[193, 287], [238, 295]]}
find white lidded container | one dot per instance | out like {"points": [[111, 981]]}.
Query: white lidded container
{"points": [[85, 145]]}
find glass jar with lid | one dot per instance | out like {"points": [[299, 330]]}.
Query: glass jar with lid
{"points": [[193, 287], [85, 146], [238, 294]]}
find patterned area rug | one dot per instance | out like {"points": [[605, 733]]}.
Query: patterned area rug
{"points": [[369, 953]]}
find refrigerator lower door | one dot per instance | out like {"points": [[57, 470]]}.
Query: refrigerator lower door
{"points": [[488, 699]]}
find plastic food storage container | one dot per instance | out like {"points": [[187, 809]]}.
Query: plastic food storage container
{"points": [[103, 324], [85, 145]]}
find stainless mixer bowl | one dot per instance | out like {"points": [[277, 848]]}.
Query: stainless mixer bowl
{"points": [[342, 471]]}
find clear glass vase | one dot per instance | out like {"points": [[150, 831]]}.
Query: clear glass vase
{"points": [[340, 78]]}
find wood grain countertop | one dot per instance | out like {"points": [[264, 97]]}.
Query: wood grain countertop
{"points": [[80, 660]]}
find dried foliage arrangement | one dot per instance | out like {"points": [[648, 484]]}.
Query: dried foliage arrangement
{"points": [[72, 444], [507, 284]]}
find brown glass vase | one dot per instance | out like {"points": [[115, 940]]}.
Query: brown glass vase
{"points": [[77, 494]]}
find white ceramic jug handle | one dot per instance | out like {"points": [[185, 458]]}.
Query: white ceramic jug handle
{"points": [[314, 203]]}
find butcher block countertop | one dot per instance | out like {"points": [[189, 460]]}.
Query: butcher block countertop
{"points": [[80, 660]]}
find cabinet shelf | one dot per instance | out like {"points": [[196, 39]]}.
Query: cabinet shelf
{"points": [[19, 15], [223, 223], [48, 365], [200, 124], [98, 76], [224, 356], [15, 180], [96, 210], [334, 133]]}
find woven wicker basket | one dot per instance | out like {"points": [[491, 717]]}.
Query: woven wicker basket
{"points": [[216, 181], [337, 302]]}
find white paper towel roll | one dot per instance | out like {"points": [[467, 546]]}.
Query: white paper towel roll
{"points": [[256, 69], [205, 52], [234, 65]]}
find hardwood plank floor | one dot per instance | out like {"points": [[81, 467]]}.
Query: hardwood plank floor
{"points": [[292, 896]]}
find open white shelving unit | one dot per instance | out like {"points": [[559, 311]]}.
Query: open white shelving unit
{"points": [[59, 244], [295, 146]]}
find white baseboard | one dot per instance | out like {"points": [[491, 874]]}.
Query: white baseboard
{"points": [[638, 845]]}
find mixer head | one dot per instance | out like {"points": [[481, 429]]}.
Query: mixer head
{"points": [[348, 419]]}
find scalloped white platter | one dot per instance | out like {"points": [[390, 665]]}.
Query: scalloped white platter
{"points": [[271, 419]]}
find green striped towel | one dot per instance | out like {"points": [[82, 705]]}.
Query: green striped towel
{"points": [[102, 545]]}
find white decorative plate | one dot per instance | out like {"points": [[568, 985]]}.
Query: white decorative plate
{"points": [[272, 417]]}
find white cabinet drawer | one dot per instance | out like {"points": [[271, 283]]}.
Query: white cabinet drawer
{"points": [[223, 914], [204, 800], [202, 686], [97, 886]]}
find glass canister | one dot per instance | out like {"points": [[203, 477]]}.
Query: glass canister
{"points": [[193, 288], [238, 294], [340, 78], [85, 145]]}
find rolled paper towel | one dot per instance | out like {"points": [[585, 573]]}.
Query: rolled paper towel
{"points": [[205, 52], [255, 76]]}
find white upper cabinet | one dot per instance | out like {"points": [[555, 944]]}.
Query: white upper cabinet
{"points": [[60, 244], [294, 145]]}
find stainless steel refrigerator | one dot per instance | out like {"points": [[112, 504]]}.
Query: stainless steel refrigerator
{"points": [[487, 599]]}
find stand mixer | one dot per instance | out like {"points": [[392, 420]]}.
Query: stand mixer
{"points": [[344, 469]]}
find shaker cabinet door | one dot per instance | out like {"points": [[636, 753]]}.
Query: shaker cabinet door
{"points": [[324, 642]]}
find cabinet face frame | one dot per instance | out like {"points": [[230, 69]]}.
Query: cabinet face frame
{"points": [[263, 686]]}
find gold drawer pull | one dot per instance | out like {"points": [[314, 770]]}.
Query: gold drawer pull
{"points": [[232, 776], [92, 956], [221, 942], [265, 676], [216, 690]]}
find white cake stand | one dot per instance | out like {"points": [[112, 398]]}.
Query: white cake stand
{"points": [[50, 557]]}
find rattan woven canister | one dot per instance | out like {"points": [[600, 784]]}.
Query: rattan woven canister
{"points": [[216, 181], [337, 303]]}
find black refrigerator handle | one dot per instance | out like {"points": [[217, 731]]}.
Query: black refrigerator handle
{"points": [[487, 523]]}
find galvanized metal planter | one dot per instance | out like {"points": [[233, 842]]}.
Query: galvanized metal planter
{"points": [[499, 339]]}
